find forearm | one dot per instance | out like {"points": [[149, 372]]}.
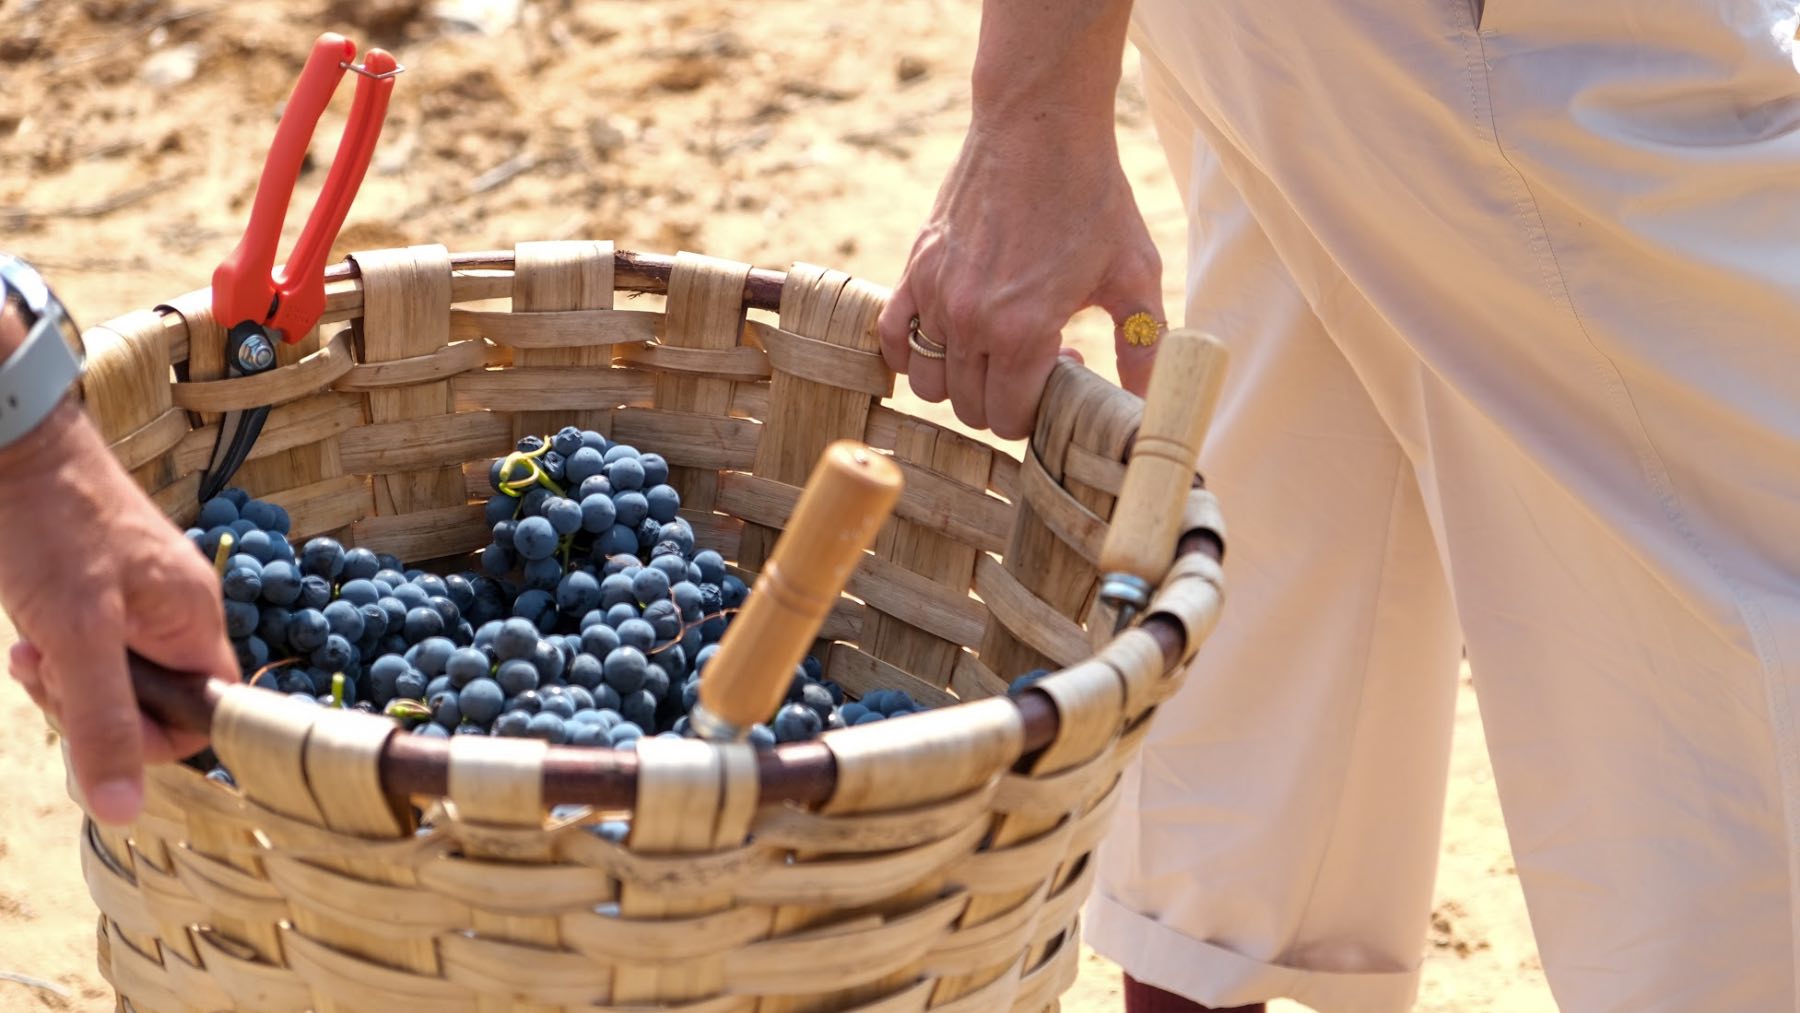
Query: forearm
{"points": [[1048, 61]]}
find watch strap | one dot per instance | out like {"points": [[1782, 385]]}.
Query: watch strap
{"points": [[34, 380]]}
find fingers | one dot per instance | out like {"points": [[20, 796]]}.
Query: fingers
{"points": [[25, 663], [927, 375], [894, 325], [967, 381], [1135, 288], [176, 620], [85, 657]]}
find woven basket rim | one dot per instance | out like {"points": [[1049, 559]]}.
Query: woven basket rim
{"points": [[801, 772]]}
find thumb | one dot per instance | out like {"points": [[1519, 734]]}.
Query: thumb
{"points": [[84, 655]]}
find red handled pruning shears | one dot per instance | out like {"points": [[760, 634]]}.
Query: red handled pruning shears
{"points": [[256, 304]]}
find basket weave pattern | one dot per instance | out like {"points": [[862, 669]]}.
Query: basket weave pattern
{"points": [[947, 867]]}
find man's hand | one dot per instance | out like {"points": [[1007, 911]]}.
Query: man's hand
{"points": [[89, 568], [1035, 222]]}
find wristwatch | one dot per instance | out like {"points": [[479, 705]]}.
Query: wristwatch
{"points": [[39, 373]]}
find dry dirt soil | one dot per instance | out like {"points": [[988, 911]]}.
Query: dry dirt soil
{"points": [[132, 133]]}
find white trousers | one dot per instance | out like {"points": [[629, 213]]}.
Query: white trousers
{"points": [[1514, 302]]}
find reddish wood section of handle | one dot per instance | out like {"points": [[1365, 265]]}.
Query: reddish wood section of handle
{"points": [[849, 496]]}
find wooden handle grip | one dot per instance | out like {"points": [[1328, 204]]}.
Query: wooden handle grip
{"points": [[1184, 388], [847, 499]]}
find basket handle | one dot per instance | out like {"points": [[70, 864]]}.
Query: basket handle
{"points": [[1146, 521], [849, 496]]}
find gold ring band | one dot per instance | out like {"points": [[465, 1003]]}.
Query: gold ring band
{"points": [[1142, 329], [918, 342]]}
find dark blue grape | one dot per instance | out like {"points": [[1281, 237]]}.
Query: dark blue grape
{"points": [[617, 589], [673, 570], [209, 543], [687, 596], [624, 734], [639, 708], [553, 467], [465, 665], [656, 683], [836, 691], [384, 677], [606, 699], [584, 463], [438, 685], [358, 591], [649, 533], [243, 584], [535, 538], [412, 596], [631, 509], [307, 630], [550, 662], [217, 512], [577, 594], [469, 728], [665, 619], [650, 585], [761, 737], [620, 614], [527, 702], [432, 655], [564, 515], [619, 452], [500, 507], [395, 611], [664, 502], [818, 698], [543, 574], [512, 724], [690, 692], [586, 735], [583, 699], [811, 666], [279, 547], [447, 610], [334, 655], [626, 563], [482, 701], [392, 578], [346, 620], [625, 473], [281, 583], [558, 704], [537, 607], [497, 559], [295, 681], [503, 533], [516, 676], [241, 527], [236, 495], [485, 634], [315, 592], [532, 503], [252, 652], [797, 723], [432, 584], [661, 549], [681, 534], [598, 514], [272, 625], [586, 670], [360, 564], [460, 588], [529, 444], [732, 592], [656, 469], [624, 670], [257, 545], [852, 711], [599, 639], [422, 624], [410, 685], [517, 638], [567, 440], [596, 485], [637, 633], [446, 708], [375, 622]]}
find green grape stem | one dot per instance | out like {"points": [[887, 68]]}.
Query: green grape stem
{"points": [[226, 541]]}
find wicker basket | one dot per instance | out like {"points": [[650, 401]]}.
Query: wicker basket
{"points": [[937, 862]]}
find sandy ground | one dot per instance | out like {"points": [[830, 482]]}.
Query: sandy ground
{"points": [[132, 134]]}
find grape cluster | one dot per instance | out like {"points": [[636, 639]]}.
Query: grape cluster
{"points": [[590, 622]]}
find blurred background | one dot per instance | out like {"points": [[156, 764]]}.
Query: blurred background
{"points": [[132, 136]]}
